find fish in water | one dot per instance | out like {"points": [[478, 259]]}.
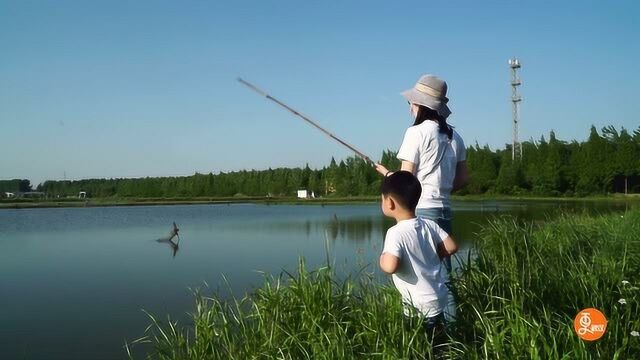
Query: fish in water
{"points": [[169, 239]]}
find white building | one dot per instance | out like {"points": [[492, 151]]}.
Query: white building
{"points": [[9, 195], [305, 194]]}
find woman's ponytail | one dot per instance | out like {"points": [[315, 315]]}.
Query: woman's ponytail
{"points": [[424, 113], [444, 128]]}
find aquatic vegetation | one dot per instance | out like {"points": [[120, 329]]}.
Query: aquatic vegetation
{"points": [[516, 300]]}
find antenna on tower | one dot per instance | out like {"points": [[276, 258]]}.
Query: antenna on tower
{"points": [[516, 149]]}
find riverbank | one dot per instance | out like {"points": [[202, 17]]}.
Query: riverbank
{"points": [[517, 299], [57, 203], [63, 203]]}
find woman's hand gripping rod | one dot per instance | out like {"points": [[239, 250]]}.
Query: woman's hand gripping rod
{"points": [[256, 89]]}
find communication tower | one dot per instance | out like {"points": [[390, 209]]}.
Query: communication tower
{"points": [[516, 149]]}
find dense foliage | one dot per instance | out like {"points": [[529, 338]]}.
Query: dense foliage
{"points": [[15, 185], [606, 162], [351, 177]]}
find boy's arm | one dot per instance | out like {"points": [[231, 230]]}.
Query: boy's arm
{"points": [[391, 253], [447, 247], [389, 263]]}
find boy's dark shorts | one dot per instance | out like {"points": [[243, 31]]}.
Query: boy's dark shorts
{"points": [[434, 322]]}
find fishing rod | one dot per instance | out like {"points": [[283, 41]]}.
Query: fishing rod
{"points": [[314, 124]]}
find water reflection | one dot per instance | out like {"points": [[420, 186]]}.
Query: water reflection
{"points": [[372, 228], [357, 229], [360, 225], [175, 246], [468, 218]]}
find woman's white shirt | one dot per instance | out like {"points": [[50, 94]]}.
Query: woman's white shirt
{"points": [[435, 158]]}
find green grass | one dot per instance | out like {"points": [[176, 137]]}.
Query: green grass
{"points": [[520, 296], [517, 300], [309, 315]]}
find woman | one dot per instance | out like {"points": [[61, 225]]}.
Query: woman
{"points": [[432, 151]]}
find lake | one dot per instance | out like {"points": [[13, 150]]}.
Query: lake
{"points": [[74, 281]]}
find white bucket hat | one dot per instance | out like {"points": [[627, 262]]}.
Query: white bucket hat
{"points": [[430, 91]]}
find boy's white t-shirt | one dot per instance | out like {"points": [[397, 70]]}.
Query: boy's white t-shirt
{"points": [[435, 158], [421, 276]]}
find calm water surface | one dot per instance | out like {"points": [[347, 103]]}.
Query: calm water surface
{"points": [[73, 281]]}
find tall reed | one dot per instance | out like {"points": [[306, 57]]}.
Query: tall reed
{"points": [[520, 295]]}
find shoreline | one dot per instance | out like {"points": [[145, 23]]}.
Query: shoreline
{"points": [[68, 203]]}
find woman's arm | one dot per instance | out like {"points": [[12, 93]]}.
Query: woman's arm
{"points": [[406, 166], [381, 169], [462, 175]]}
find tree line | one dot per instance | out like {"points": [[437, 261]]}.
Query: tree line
{"points": [[608, 161], [15, 186]]}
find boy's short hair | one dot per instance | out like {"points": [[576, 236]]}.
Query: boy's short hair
{"points": [[404, 187]]}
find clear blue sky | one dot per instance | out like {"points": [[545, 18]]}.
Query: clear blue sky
{"points": [[147, 88]]}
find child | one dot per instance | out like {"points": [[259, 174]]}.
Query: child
{"points": [[413, 250]]}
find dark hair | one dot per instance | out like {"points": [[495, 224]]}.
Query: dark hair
{"points": [[404, 187], [424, 113]]}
